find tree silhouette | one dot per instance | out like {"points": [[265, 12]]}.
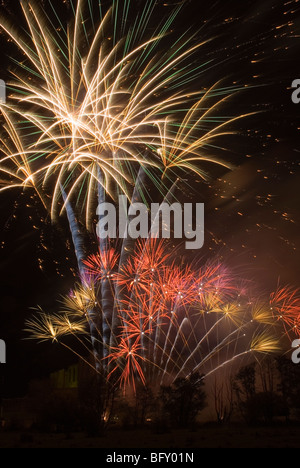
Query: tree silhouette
{"points": [[184, 399]]}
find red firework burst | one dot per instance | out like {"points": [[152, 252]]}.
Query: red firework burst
{"points": [[297, 326], [178, 285], [143, 267], [140, 314], [285, 306], [102, 264], [214, 278], [127, 357]]}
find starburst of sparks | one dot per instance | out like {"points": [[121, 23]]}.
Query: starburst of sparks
{"points": [[162, 335], [285, 307], [97, 111]]}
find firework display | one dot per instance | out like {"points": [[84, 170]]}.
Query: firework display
{"points": [[98, 116], [108, 107], [172, 321]]}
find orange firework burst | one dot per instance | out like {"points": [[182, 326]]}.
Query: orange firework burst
{"points": [[285, 307], [144, 266], [102, 264], [178, 285], [215, 278], [127, 358], [297, 326], [143, 312]]}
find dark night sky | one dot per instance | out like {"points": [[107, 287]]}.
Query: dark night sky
{"points": [[252, 213]]}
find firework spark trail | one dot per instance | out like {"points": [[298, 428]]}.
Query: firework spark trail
{"points": [[132, 364], [76, 235], [177, 287], [100, 267], [199, 344], [126, 249], [215, 350], [178, 335], [190, 293], [157, 336], [205, 335], [261, 343], [86, 281], [225, 363]]}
